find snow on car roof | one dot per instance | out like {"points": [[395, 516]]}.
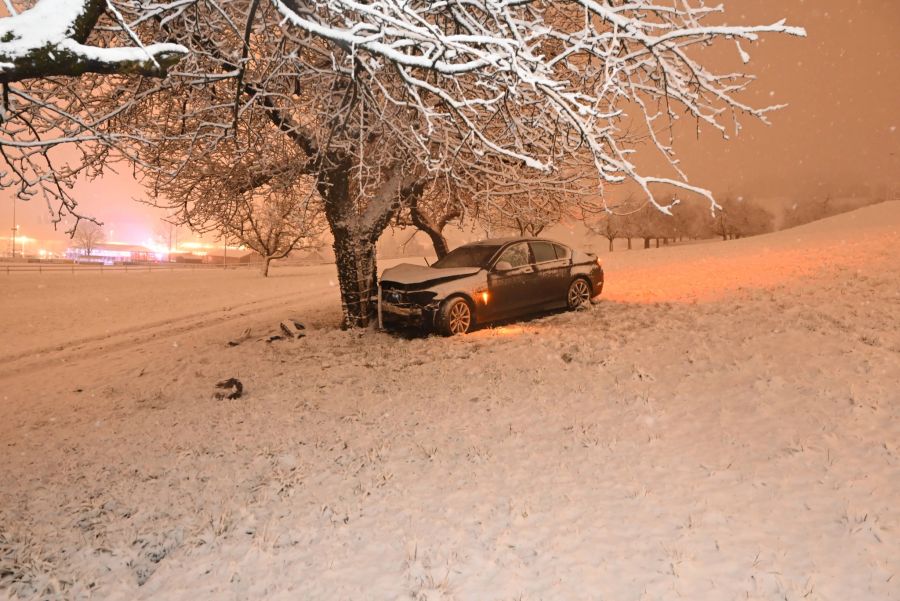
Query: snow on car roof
{"points": [[507, 240]]}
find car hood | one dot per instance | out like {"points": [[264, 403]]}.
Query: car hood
{"points": [[407, 273]]}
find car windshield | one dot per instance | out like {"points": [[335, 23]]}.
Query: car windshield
{"points": [[476, 255]]}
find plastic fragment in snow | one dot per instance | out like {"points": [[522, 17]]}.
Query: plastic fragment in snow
{"points": [[292, 329], [233, 384], [244, 336]]}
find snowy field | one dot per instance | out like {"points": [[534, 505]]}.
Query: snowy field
{"points": [[724, 425]]}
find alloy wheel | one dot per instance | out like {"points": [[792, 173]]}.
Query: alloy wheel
{"points": [[460, 317], [579, 293]]}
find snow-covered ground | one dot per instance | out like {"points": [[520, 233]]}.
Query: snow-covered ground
{"points": [[724, 425]]}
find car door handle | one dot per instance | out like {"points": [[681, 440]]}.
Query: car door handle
{"points": [[528, 269]]}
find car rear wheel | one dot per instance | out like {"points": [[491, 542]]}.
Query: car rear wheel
{"points": [[456, 317], [579, 293]]}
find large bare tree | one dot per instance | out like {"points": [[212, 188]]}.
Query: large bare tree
{"points": [[380, 97]]}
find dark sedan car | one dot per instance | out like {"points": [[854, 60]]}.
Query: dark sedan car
{"points": [[487, 281]]}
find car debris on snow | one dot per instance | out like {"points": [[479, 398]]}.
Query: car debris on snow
{"points": [[233, 384], [292, 328], [243, 336]]}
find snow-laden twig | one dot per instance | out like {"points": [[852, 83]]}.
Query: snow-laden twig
{"points": [[580, 70], [51, 39], [41, 110]]}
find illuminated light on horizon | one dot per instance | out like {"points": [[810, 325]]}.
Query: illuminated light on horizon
{"points": [[198, 245], [158, 248]]}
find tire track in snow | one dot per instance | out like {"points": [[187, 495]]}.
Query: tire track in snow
{"points": [[135, 336]]}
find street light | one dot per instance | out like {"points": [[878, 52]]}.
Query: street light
{"points": [[15, 230]]}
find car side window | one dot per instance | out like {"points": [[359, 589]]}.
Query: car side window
{"points": [[516, 255], [562, 252], [543, 251]]}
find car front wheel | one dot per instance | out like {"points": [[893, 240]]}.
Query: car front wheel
{"points": [[456, 317], [579, 293]]}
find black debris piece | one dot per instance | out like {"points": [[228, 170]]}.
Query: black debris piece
{"points": [[233, 384], [292, 329]]}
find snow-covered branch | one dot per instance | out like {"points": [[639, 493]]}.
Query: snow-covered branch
{"points": [[50, 40], [68, 69], [583, 62]]}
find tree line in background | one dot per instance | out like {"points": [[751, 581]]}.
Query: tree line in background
{"points": [[738, 217]]}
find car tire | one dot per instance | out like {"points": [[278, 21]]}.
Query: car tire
{"points": [[456, 317], [579, 293]]}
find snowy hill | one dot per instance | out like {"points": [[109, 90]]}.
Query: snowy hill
{"points": [[724, 425]]}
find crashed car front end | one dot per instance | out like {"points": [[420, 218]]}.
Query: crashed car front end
{"points": [[403, 307], [410, 297]]}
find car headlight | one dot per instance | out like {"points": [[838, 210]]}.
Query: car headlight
{"points": [[421, 298]]}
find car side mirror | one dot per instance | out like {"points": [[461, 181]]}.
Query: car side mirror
{"points": [[503, 266]]}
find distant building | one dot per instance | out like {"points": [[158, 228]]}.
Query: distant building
{"points": [[185, 257], [232, 257], [109, 252]]}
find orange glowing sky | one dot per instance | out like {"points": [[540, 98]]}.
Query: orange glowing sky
{"points": [[839, 134]]}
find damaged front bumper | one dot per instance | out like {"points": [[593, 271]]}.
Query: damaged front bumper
{"points": [[398, 312]]}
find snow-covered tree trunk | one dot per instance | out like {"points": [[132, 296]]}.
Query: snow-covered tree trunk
{"points": [[356, 266], [355, 232]]}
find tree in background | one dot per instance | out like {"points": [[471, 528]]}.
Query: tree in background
{"points": [[274, 222], [528, 205], [741, 217], [692, 220], [735, 218], [498, 197], [271, 211], [87, 237], [649, 225], [608, 225], [614, 222]]}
